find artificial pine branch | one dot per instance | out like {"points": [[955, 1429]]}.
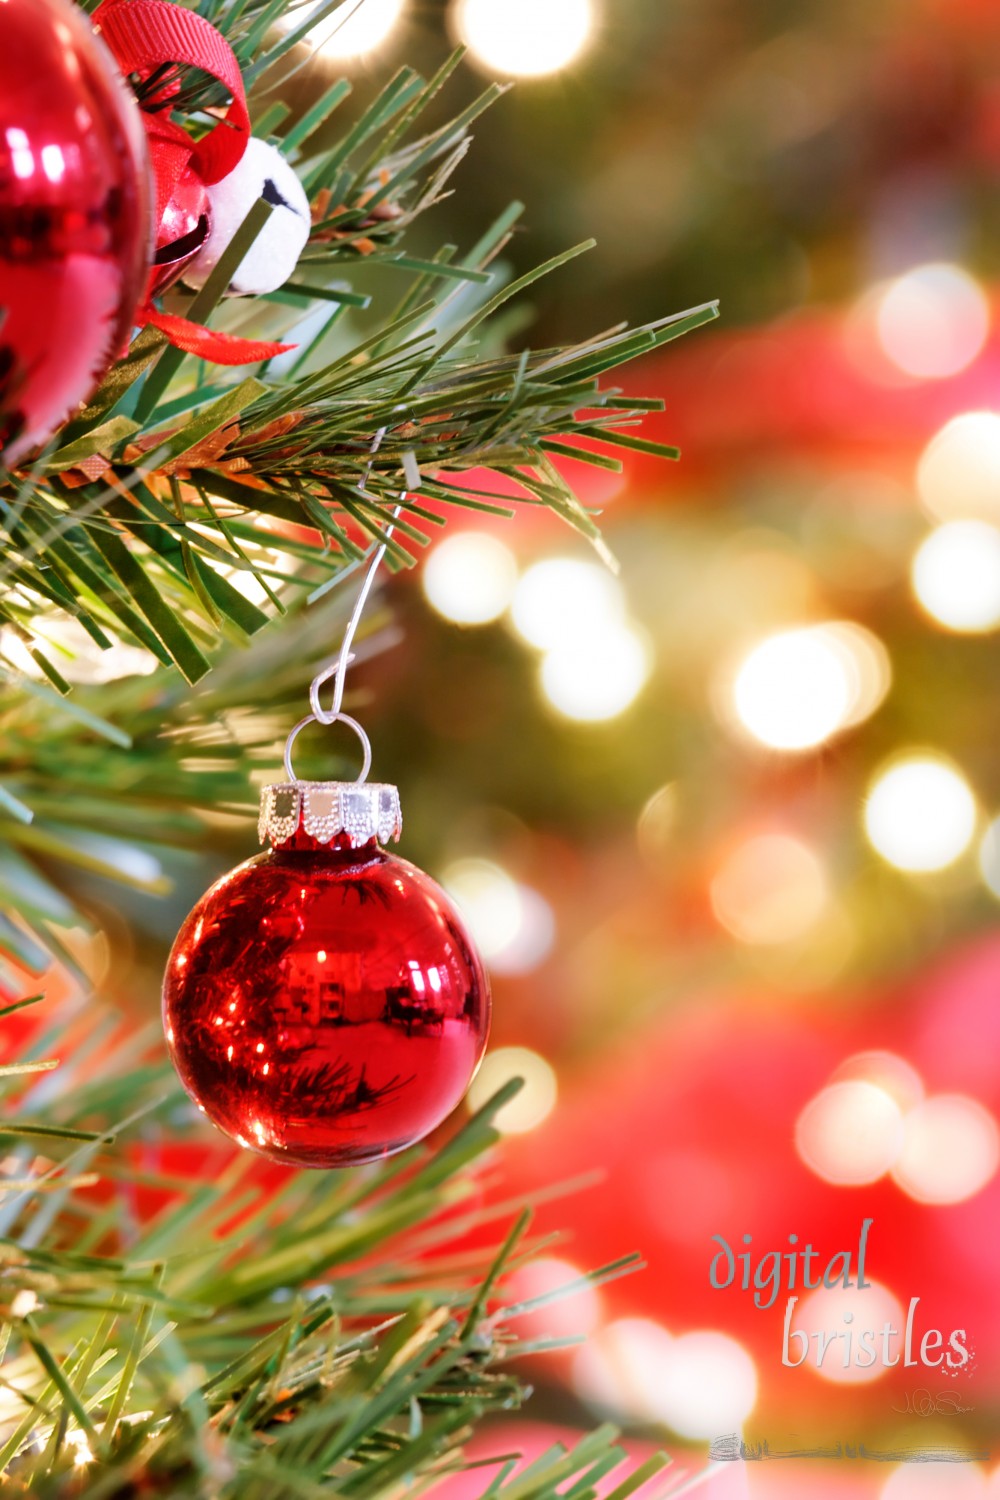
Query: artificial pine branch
{"points": [[258, 1334]]}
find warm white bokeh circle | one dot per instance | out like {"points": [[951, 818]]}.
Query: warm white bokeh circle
{"points": [[513, 924], [850, 1133], [560, 600], [958, 475], [524, 38], [824, 1310], [932, 321], [956, 575], [795, 689], [951, 1149], [597, 679], [699, 1384], [536, 1100], [470, 577], [920, 814], [354, 30]]}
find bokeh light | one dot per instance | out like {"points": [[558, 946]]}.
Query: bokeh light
{"points": [[469, 577], [698, 1384], [850, 1133], [887, 1071], [353, 30], [524, 38], [989, 858], [932, 321], [513, 924], [797, 688], [951, 1149], [75, 654], [842, 1309], [920, 814], [956, 575], [570, 1305], [560, 599], [597, 679], [536, 1100], [936, 1480], [958, 476], [770, 889]]}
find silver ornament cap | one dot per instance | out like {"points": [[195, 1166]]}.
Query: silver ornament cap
{"points": [[319, 812]]}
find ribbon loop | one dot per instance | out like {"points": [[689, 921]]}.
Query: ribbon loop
{"points": [[145, 34]]}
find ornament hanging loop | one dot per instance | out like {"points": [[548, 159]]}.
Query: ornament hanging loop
{"points": [[341, 718]]}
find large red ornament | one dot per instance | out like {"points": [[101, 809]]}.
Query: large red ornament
{"points": [[75, 217], [323, 1003]]}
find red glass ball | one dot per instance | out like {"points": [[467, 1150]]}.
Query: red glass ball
{"points": [[182, 230], [325, 1007], [75, 216]]}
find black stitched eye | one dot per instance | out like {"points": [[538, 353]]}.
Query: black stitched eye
{"points": [[272, 194]]}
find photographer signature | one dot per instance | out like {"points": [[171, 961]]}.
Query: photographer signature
{"points": [[925, 1403]]}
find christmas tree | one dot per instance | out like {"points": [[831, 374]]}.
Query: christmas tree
{"points": [[177, 1318]]}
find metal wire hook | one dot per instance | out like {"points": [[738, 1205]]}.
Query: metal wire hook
{"points": [[338, 668]]}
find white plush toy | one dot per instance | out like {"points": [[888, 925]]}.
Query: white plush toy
{"points": [[262, 172]]}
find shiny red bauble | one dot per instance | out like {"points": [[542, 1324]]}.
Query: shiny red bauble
{"points": [[325, 1006], [75, 216], [181, 232]]}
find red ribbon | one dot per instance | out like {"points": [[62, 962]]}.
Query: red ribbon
{"points": [[144, 35]]}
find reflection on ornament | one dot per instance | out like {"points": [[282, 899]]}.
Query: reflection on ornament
{"points": [[323, 1003]]}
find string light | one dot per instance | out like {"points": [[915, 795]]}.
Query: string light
{"points": [[469, 578], [537, 1098], [958, 475], [956, 575], [932, 321], [797, 688], [920, 814], [524, 38]]}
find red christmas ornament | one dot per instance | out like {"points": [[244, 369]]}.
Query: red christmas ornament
{"points": [[323, 1003], [182, 230], [75, 226]]}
